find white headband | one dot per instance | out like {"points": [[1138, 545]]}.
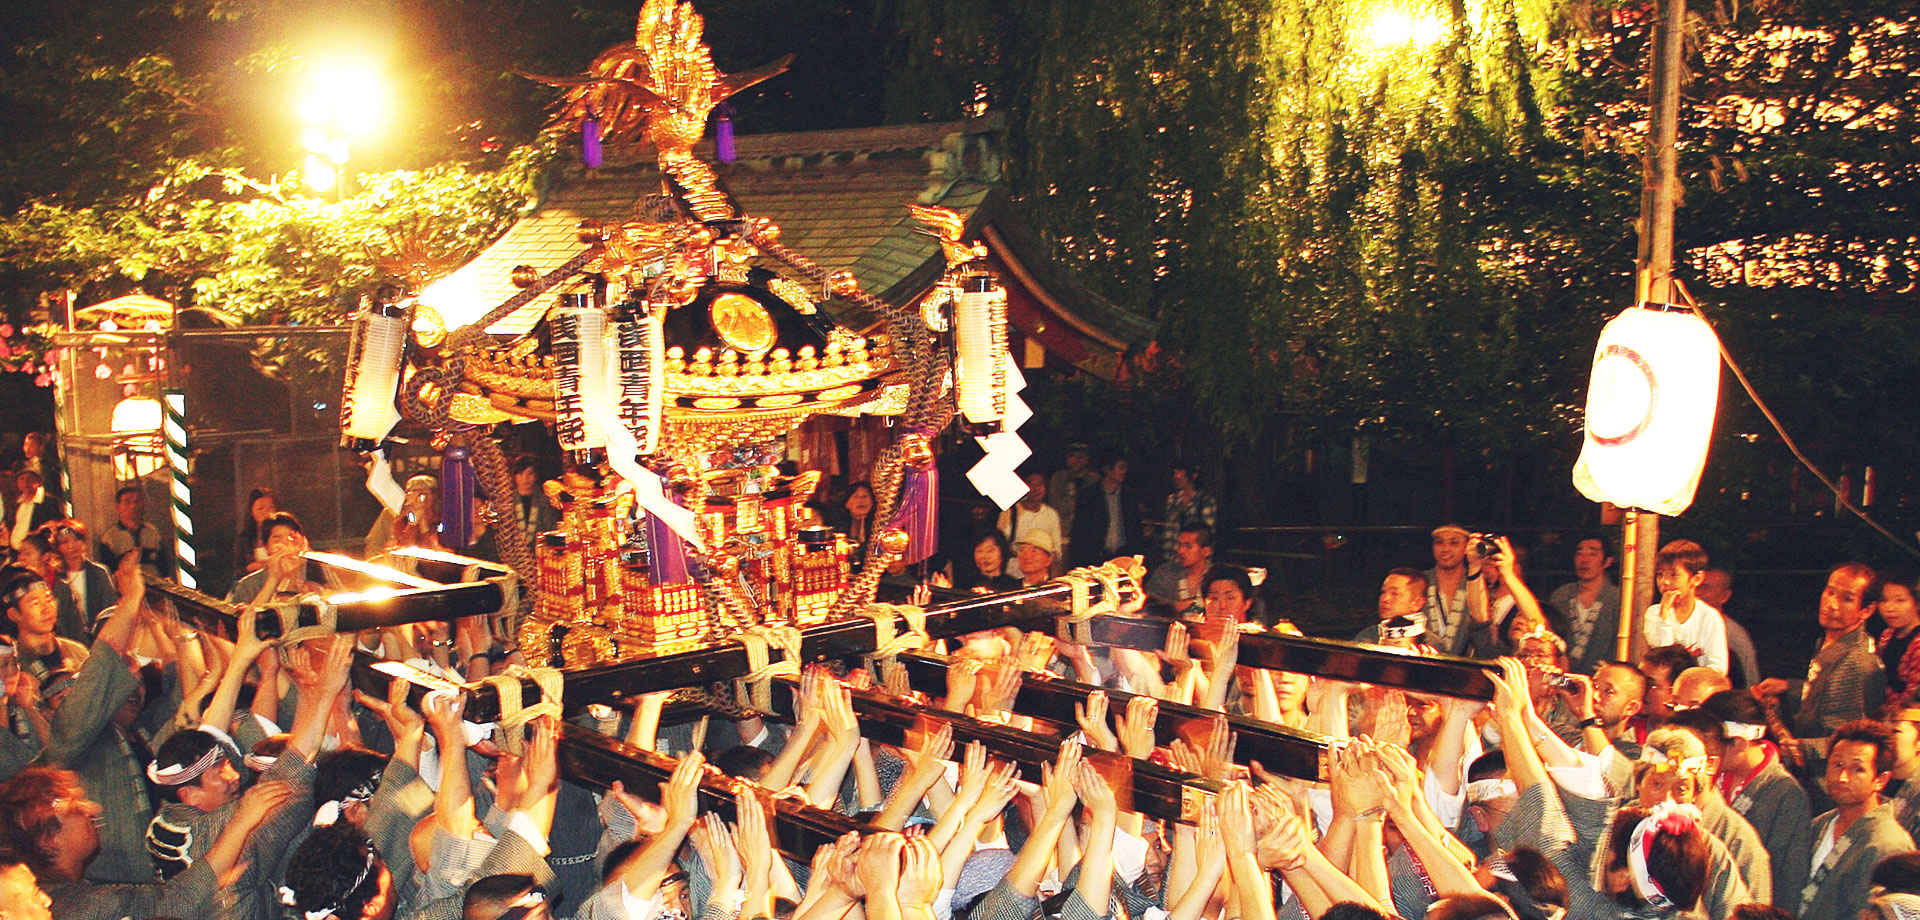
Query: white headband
{"points": [[1412, 630], [182, 774], [1744, 731], [1486, 790], [1674, 819], [1654, 755]]}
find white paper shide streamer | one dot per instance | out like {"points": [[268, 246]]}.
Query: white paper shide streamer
{"points": [[579, 373]]}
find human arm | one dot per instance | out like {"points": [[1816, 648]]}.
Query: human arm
{"points": [[1091, 716], [1226, 653], [223, 857], [1401, 778], [842, 741], [643, 871], [920, 879], [1096, 861], [453, 809], [1510, 708], [1023, 878], [786, 765], [1201, 861], [1250, 881], [247, 648], [929, 766], [754, 840], [117, 632]]}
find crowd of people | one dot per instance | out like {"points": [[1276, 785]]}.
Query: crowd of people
{"points": [[145, 771]]}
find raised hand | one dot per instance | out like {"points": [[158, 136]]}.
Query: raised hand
{"points": [[935, 750], [1136, 727], [714, 842], [260, 801], [1236, 817], [963, 674], [920, 877], [1093, 790], [1003, 687], [1216, 758], [1175, 653], [680, 794], [1058, 784], [1036, 650], [877, 871], [1092, 717]]}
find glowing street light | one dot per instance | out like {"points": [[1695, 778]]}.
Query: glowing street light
{"points": [[1393, 29], [341, 106]]}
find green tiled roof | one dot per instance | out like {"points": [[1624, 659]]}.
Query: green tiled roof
{"points": [[839, 197]]}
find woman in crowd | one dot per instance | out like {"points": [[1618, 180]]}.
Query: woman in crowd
{"points": [[984, 570], [250, 548], [1898, 652]]}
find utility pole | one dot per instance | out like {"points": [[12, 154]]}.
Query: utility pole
{"points": [[1640, 539]]}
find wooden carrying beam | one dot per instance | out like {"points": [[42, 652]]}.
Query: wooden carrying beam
{"points": [[1439, 675], [1280, 750], [589, 758], [351, 612], [1138, 785], [727, 659]]}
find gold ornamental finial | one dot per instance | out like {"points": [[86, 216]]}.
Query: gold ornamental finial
{"points": [[662, 85], [948, 227]]}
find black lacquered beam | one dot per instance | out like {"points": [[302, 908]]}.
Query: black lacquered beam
{"points": [[1440, 675], [352, 613], [589, 758], [1148, 788], [1280, 750], [727, 659]]}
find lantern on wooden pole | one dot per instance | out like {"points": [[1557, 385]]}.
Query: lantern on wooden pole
{"points": [[1656, 370]]}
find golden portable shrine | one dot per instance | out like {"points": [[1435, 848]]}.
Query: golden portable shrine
{"points": [[682, 343]]}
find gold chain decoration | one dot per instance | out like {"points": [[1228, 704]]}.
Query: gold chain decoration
{"points": [[888, 645], [754, 688], [513, 715]]}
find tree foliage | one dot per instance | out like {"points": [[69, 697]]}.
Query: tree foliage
{"points": [[1422, 241]]}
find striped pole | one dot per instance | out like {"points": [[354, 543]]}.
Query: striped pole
{"points": [[175, 429]]}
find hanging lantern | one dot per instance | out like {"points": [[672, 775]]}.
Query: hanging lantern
{"points": [[579, 371], [980, 345], [373, 375], [1650, 408]]}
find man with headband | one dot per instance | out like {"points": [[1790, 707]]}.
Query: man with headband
{"points": [[1862, 828], [198, 782], [1445, 599], [1402, 594], [1754, 783], [1719, 818], [29, 602]]}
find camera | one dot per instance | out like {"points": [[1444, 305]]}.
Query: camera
{"points": [[1562, 681], [1485, 545]]}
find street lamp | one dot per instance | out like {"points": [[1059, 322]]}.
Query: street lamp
{"points": [[341, 105]]}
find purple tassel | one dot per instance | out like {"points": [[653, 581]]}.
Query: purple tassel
{"points": [[666, 552], [919, 512], [590, 152], [457, 487], [723, 134]]}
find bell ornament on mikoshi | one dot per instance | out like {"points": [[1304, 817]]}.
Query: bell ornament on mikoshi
{"points": [[1650, 409]]}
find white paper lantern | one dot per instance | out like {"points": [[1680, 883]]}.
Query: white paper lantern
{"points": [[979, 344], [379, 343], [1650, 408]]}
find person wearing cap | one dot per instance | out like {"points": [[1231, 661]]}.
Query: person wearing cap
{"points": [[1177, 582], [1862, 828], [30, 605], [1035, 557], [1029, 514], [1752, 781]]}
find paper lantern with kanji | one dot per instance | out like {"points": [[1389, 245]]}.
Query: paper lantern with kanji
{"points": [[1650, 408]]}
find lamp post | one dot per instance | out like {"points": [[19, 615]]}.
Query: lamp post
{"points": [[341, 106], [1656, 370]]}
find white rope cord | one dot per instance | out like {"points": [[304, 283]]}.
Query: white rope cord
{"points": [[514, 715], [754, 688], [886, 643], [291, 632]]}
